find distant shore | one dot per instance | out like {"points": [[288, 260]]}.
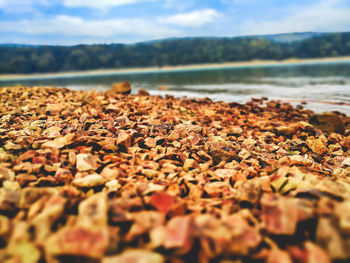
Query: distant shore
{"points": [[242, 64]]}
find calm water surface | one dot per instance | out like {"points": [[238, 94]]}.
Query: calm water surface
{"points": [[325, 87]]}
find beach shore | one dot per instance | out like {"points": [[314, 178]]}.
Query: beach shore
{"points": [[90, 176], [241, 64]]}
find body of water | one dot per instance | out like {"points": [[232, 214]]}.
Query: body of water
{"points": [[325, 87]]}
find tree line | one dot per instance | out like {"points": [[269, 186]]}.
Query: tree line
{"points": [[40, 59]]}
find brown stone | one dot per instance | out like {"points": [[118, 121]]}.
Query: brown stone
{"points": [[279, 214], [330, 238], [178, 234], [121, 88], [328, 122], [316, 145], [143, 92], [190, 164], [220, 151]]}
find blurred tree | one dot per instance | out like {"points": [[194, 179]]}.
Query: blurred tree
{"points": [[29, 59]]}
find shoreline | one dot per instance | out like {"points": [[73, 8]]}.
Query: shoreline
{"points": [[207, 66]]}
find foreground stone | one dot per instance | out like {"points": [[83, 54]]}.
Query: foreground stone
{"points": [[107, 177]]}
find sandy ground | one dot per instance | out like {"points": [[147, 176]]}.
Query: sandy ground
{"points": [[101, 72]]}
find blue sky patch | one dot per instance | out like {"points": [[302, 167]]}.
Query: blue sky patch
{"points": [[69, 22]]}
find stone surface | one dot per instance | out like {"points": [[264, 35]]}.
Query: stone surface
{"points": [[328, 122], [121, 88]]}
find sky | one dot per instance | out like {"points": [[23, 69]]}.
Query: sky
{"points": [[70, 22]]}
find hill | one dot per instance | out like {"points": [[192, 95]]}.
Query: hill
{"points": [[39, 59]]}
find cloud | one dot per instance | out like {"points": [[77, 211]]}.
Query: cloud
{"points": [[26, 6], [179, 5], [100, 3], [68, 29], [325, 16], [20, 6], [196, 18], [76, 26], [32, 20]]}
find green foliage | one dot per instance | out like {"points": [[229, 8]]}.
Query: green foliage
{"points": [[30, 59]]}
